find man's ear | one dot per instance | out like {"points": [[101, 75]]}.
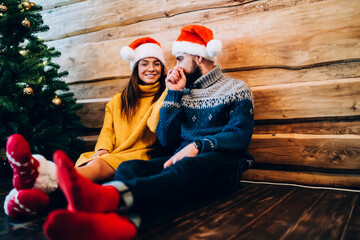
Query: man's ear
{"points": [[200, 59]]}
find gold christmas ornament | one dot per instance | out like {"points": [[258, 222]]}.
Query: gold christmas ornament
{"points": [[56, 101], [26, 5], [33, 4], [3, 8], [25, 23], [28, 90]]}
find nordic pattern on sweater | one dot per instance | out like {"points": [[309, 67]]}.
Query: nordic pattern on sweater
{"points": [[216, 110]]}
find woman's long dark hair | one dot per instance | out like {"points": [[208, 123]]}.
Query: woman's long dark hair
{"points": [[130, 94]]}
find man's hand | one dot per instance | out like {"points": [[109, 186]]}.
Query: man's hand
{"points": [[188, 151], [99, 153], [176, 79]]}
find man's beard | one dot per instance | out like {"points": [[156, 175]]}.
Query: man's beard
{"points": [[193, 75]]}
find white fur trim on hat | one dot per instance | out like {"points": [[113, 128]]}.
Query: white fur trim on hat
{"points": [[143, 51], [47, 179], [192, 49]]}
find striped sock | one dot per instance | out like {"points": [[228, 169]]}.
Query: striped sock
{"points": [[24, 166], [27, 202]]}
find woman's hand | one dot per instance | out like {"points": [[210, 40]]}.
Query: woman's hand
{"points": [[100, 152], [188, 151]]}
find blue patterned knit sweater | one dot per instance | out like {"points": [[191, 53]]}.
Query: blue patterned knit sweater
{"points": [[216, 110]]}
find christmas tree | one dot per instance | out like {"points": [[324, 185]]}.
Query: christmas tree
{"points": [[34, 101]]}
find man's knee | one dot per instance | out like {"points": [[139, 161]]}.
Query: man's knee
{"points": [[127, 164]]}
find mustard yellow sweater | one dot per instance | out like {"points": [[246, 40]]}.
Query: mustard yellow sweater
{"points": [[128, 140]]}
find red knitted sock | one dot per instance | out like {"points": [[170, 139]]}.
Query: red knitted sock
{"points": [[62, 224], [81, 193], [27, 202], [24, 166]]}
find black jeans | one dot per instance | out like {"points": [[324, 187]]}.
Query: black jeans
{"points": [[206, 175]]}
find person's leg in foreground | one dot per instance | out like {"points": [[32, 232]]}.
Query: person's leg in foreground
{"points": [[91, 211], [151, 186]]}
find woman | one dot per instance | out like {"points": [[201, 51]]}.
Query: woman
{"points": [[128, 133]]}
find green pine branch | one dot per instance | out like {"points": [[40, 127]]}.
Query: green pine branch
{"points": [[29, 81]]}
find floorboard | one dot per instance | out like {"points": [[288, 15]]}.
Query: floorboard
{"points": [[325, 220], [255, 211], [277, 220], [352, 228]]}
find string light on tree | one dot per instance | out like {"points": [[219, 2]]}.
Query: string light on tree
{"points": [[21, 8], [24, 52], [45, 62], [41, 79], [56, 101]]}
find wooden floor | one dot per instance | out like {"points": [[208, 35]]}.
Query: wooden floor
{"points": [[255, 211]]}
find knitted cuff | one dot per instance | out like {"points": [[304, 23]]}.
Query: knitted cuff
{"points": [[173, 99], [207, 145], [135, 219], [125, 195]]}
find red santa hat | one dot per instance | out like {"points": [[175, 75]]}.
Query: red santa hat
{"points": [[197, 40], [142, 48]]}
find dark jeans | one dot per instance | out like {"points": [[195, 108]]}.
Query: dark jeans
{"points": [[206, 175]]}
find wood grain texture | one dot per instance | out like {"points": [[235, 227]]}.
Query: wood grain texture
{"points": [[226, 221], [325, 220], [191, 219], [329, 34], [352, 229], [326, 126], [318, 151], [98, 15], [278, 76], [100, 89], [279, 219], [307, 178], [311, 99], [46, 4], [92, 114]]}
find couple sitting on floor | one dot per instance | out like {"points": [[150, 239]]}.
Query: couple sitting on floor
{"points": [[205, 119]]}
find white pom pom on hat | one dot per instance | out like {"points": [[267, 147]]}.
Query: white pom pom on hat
{"points": [[142, 48], [197, 40], [214, 47], [127, 53]]}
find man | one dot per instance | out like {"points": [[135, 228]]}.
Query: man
{"points": [[206, 117]]}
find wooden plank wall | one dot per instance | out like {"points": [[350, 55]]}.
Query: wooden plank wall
{"points": [[301, 59]]}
